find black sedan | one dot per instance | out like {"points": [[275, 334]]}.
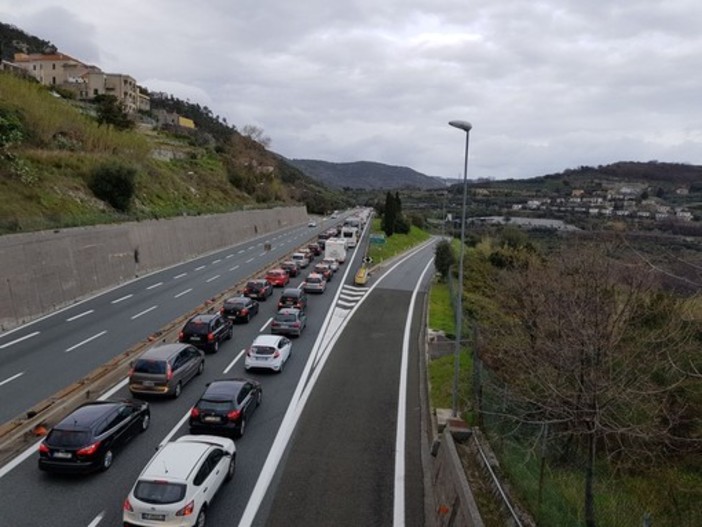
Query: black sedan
{"points": [[87, 439], [239, 308], [225, 407]]}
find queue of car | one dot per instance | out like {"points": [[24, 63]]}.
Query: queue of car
{"points": [[178, 484]]}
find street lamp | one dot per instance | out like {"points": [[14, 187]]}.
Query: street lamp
{"points": [[466, 127]]}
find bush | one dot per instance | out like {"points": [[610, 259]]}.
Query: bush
{"points": [[402, 226], [443, 258], [114, 184]]}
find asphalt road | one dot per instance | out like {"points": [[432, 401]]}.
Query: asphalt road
{"points": [[39, 359]]}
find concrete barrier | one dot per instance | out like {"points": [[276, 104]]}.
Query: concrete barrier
{"points": [[44, 271]]}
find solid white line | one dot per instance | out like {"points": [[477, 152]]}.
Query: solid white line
{"points": [[181, 275], [154, 286], [89, 339], [109, 393], [250, 260], [217, 261], [264, 254], [401, 432], [121, 298], [175, 429], [97, 520], [264, 326], [32, 449], [144, 312], [28, 336], [213, 278], [230, 256], [200, 268], [183, 293], [234, 268], [76, 317], [10, 379], [241, 252], [232, 363]]}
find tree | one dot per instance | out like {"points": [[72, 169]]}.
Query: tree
{"points": [[388, 223], [444, 258], [584, 345], [110, 111], [256, 134], [114, 184]]}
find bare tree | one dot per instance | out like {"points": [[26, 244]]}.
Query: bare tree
{"points": [[255, 133], [584, 344]]}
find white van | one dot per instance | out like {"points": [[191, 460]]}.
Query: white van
{"points": [[350, 234]]}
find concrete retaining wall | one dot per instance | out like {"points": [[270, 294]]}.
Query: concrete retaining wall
{"points": [[46, 270]]}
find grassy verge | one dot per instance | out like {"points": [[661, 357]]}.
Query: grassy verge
{"points": [[394, 244]]}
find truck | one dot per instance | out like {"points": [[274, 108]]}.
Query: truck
{"points": [[350, 234], [336, 248]]}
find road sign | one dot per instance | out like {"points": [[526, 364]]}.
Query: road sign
{"points": [[377, 238], [367, 260]]}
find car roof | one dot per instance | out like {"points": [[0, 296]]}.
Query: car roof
{"points": [[276, 271], [163, 351], [291, 291], [223, 389], [175, 461], [85, 416], [315, 275], [297, 254], [203, 317], [267, 340], [289, 311]]}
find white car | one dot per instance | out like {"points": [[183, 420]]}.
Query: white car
{"points": [[312, 223], [268, 351], [314, 283], [178, 485], [300, 259], [332, 263]]}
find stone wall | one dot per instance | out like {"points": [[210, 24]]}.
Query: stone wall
{"points": [[44, 271]]}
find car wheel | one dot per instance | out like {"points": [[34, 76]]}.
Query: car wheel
{"points": [[282, 365], [259, 398], [230, 333], [107, 459], [215, 348], [200, 522], [145, 422], [178, 390], [201, 368], [248, 317], [242, 427], [231, 469]]}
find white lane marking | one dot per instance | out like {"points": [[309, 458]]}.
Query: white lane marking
{"points": [[28, 336], [200, 268], [144, 312], [250, 248], [154, 286], [264, 254], [240, 252], [10, 379], [217, 261], [97, 520], [212, 279], [183, 293], [234, 268], [264, 326], [175, 429], [120, 299], [230, 256], [250, 260], [232, 363], [89, 339], [401, 431], [76, 317], [345, 304], [181, 275], [109, 393]]}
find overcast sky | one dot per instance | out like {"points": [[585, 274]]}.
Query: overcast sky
{"points": [[547, 85]]}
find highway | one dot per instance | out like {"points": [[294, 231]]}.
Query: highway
{"points": [[341, 391]]}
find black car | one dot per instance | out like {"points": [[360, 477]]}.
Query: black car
{"points": [[206, 331], [239, 308], [87, 438], [293, 297], [258, 289], [225, 407]]}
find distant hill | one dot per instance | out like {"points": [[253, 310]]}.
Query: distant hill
{"points": [[365, 175], [14, 40]]}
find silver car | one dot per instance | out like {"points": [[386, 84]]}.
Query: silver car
{"points": [[165, 369], [178, 485]]}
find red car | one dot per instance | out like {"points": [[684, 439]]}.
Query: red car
{"points": [[278, 277], [290, 267]]}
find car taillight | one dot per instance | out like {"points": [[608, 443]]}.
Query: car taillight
{"points": [[234, 415], [194, 413], [127, 506], [221, 310], [169, 372], [244, 311], [295, 324], [248, 352], [43, 449], [181, 336], [187, 510], [89, 450], [276, 355], [210, 337]]}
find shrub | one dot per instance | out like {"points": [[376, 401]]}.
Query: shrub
{"points": [[114, 184], [443, 258]]}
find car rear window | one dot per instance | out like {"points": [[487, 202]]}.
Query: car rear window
{"points": [[197, 328], [68, 438], [285, 318], [235, 303], [150, 366], [214, 406], [159, 492], [263, 350]]}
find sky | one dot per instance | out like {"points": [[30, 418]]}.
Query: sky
{"points": [[547, 85]]}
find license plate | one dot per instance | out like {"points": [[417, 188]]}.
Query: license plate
{"points": [[195, 339], [156, 517], [212, 419], [148, 384], [62, 455]]}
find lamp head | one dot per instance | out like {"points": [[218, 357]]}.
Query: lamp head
{"points": [[463, 125]]}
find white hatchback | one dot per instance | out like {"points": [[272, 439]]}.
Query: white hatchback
{"points": [[268, 351], [177, 486]]}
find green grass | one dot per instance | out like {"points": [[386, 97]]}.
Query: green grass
{"points": [[441, 316], [396, 243]]}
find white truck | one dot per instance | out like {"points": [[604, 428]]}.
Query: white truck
{"points": [[336, 248]]}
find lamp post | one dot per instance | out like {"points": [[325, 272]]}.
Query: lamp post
{"points": [[466, 127]]}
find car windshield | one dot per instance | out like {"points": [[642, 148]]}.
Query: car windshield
{"points": [[197, 328], [159, 492], [313, 280], [150, 366], [206, 405], [285, 317], [263, 350], [68, 438]]}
